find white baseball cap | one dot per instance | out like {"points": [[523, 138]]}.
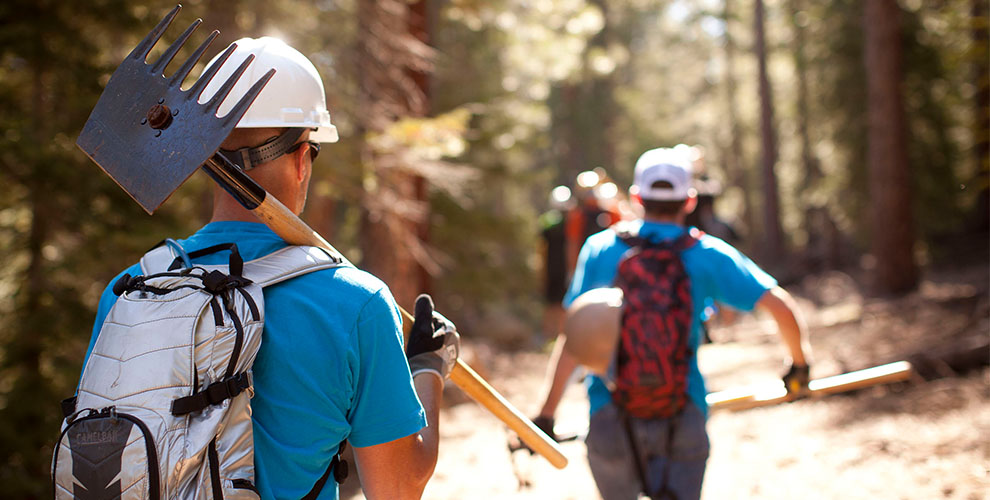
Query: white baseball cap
{"points": [[671, 165]]}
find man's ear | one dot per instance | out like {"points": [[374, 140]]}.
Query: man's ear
{"points": [[300, 164], [690, 203]]}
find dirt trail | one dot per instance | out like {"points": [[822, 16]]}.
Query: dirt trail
{"points": [[915, 440]]}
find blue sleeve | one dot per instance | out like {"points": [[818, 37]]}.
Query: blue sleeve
{"points": [[737, 280], [386, 406], [579, 281]]}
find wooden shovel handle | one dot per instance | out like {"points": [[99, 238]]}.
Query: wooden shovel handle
{"points": [[294, 231]]}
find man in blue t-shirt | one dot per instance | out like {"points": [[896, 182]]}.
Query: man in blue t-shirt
{"points": [[674, 448], [331, 364]]}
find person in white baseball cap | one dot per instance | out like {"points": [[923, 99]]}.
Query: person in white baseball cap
{"points": [[646, 263], [664, 174]]}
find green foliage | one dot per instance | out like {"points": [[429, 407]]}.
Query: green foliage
{"points": [[61, 218], [524, 95], [931, 98]]}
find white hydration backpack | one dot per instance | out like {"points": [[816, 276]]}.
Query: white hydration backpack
{"points": [[163, 409]]}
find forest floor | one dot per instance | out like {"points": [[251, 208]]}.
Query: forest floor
{"points": [[922, 439]]}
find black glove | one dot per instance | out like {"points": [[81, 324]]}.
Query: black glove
{"points": [[433, 341], [796, 379], [545, 424]]}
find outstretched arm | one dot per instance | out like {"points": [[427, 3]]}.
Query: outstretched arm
{"points": [[559, 371], [791, 324]]}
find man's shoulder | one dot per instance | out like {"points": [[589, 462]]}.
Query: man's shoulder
{"points": [[713, 245], [339, 282], [612, 235]]}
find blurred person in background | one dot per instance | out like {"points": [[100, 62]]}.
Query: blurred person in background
{"points": [[663, 454], [596, 209], [554, 259]]}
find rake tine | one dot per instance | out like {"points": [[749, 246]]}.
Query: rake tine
{"points": [[205, 78], [238, 110], [169, 54], [144, 48], [225, 89], [187, 67]]}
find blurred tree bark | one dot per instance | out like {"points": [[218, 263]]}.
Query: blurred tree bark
{"points": [[420, 26], [773, 245], [890, 182], [811, 169], [980, 29], [584, 111], [389, 59], [735, 164], [813, 214]]}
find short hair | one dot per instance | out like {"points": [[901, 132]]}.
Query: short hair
{"points": [[662, 208]]}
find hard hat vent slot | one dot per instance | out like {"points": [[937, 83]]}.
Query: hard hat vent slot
{"points": [[293, 115]]}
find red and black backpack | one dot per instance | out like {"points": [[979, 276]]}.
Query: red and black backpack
{"points": [[653, 353]]}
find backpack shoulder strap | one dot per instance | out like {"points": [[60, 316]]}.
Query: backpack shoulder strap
{"points": [[625, 232], [687, 240], [157, 260], [287, 263]]}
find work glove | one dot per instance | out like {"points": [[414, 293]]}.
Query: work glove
{"points": [[796, 379], [545, 424], [433, 341]]}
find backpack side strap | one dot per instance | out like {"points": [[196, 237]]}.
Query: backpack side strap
{"points": [[215, 393]]}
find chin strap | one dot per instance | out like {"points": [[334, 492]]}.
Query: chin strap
{"points": [[247, 157]]}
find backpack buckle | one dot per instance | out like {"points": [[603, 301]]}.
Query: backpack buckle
{"points": [[214, 394]]}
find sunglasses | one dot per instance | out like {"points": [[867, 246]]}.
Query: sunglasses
{"points": [[314, 148]]}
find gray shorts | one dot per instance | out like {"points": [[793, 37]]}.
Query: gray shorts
{"points": [[682, 463]]}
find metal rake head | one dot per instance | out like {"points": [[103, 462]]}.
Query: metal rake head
{"points": [[147, 133]]}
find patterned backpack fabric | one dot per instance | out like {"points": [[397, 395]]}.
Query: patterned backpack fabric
{"points": [[163, 405], [653, 351]]}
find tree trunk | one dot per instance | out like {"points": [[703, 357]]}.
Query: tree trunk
{"points": [[980, 29], [811, 173], [773, 248], [735, 163], [890, 182], [420, 26], [389, 58]]}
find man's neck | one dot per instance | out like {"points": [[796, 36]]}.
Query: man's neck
{"points": [[242, 216], [676, 220], [226, 209]]}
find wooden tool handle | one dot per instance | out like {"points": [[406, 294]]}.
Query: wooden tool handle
{"points": [[289, 227], [479, 390], [296, 232], [745, 398]]}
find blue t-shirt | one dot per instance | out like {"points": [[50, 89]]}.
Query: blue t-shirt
{"points": [[717, 272], [331, 365]]}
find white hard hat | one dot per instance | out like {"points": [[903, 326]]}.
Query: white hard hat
{"points": [[293, 98], [591, 328]]}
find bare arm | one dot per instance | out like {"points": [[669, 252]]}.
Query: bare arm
{"points": [[791, 324], [400, 469], [559, 371]]}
